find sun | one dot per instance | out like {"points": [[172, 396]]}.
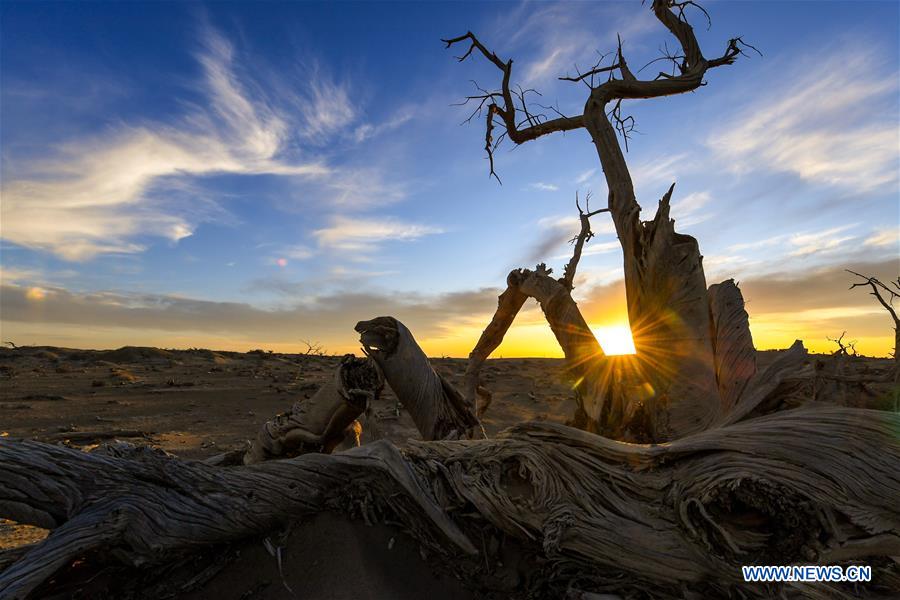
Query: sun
{"points": [[615, 339]]}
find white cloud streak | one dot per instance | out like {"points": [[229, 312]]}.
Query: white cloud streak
{"points": [[831, 120], [368, 130], [803, 243], [365, 235], [687, 210], [96, 196], [559, 36], [327, 107], [884, 237], [821, 241], [585, 176]]}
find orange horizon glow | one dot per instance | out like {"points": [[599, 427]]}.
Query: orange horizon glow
{"points": [[525, 340]]}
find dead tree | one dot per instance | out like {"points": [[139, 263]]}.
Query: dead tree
{"points": [[844, 348], [885, 295], [693, 345]]}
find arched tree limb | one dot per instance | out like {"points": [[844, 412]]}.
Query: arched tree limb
{"points": [[513, 298], [509, 304], [584, 356]]}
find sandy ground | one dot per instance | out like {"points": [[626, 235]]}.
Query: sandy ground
{"points": [[196, 403]]}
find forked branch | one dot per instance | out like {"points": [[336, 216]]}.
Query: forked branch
{"points": [[883, 293], [844, 348], [584, 216], [501, 107]]}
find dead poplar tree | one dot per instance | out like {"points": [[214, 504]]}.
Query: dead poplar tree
{"points": [[885, 295], [694, 348]]}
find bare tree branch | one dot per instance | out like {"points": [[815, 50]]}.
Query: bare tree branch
{"points": [[507, 111], [884, 294], [594, 71], [583, 236], [844, 349], [693, 66]]}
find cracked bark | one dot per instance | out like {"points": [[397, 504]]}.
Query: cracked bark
{"points": [[814, 486]]}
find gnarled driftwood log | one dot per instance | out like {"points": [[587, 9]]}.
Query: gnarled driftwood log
{"points": [[810, 486]]}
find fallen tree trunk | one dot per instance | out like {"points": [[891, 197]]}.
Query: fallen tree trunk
{"points": [[146, 507], [804, 486]]}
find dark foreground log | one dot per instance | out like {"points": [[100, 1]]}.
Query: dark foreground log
{"points": [[816, 485]]}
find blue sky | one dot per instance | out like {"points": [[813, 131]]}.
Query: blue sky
{"points": [[241, 174]]}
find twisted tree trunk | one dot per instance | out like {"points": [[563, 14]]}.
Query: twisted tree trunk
{"points": [[673, 387]]}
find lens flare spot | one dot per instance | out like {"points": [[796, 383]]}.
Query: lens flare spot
{"points": [[281, 262], [35, 293], [615, 339]]}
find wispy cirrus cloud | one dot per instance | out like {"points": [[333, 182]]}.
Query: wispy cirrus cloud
{"points": [[796, 252], [884, 237], [365, 235], [288, 254], [829, 240], [803, 242], [585, 176], [829, 119], [661, 171], [558, 36], [366, 131], [326, 107], [689, 210], [98, 195]]}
